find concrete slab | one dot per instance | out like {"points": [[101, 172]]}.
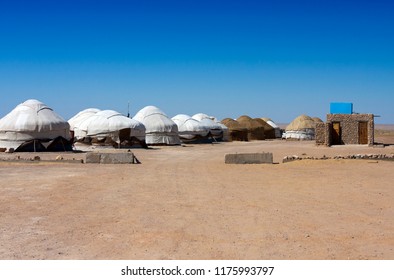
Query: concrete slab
{"points": [[111, 158], [250, 158]]}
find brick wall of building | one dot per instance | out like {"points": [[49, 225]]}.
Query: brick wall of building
{"points": [[349, 128], [320, 133]]}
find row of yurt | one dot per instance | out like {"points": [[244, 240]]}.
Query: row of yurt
{"points": [[150, 126], [246, 128], [301, 128], [32, 126]]}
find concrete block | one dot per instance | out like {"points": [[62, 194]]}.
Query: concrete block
{"points": [[111, 158], [93, 157], [117, 158], [252, 158]]}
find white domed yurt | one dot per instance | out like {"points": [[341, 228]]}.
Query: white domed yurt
{"points": [[110, 127], [301, 128], [33, 126], [189, 129], [79, 118], [160, 129], [215, 129], [278, 133]]}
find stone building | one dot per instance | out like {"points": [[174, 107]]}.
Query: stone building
{"points": [[343, 129]]}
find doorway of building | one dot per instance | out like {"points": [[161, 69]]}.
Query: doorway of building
{"points": [[336, 133], [363, 133]]}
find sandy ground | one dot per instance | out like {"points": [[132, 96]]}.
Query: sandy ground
{"points": [[185, 203]]}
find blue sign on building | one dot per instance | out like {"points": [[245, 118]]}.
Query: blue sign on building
{"points": [[341, 108]]}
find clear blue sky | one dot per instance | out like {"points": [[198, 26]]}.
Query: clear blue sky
{"points": [[224, 58]]}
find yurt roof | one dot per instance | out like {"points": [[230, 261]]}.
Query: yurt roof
{"points": [[248, 122], [301, 122], [270, 122], [81, 116], [108, 121], [207, 121], [33, 116], [187, 123], [267, 127], [155, 120], [233, 124]]}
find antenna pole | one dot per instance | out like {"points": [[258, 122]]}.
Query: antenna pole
{"points": [[128, 109]]}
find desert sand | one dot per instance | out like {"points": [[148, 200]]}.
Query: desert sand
{"points": [[184, 202]]}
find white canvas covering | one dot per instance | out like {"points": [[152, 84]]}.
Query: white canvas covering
{"points": [[80, 117], [189, 128], [31, 120], [214, 127], [109, 123], [160, 129]]}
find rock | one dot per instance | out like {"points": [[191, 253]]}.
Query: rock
{"points": [[59, 157]]}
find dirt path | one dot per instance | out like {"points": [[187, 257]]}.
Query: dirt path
{"points": [[185, 203]]}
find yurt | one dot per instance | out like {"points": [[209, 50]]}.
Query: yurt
{"points": [[278, 132], [189, 129], [237, 132], [269, 131], [255, 129], [160, 129], [111, 127], [77, 120], [301, 128], [215, 130], [33, 126]]}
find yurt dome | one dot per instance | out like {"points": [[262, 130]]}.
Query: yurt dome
{"points": [[215, 129], [269, 131], [255, 129], [302, 128], [189, 128], [278, 132], [160, 129], [30, 121], [109, 123], [236, 130], [76, 120]]}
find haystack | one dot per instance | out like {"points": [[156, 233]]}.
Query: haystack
{"points": [[254, 127], [237, 132]]}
